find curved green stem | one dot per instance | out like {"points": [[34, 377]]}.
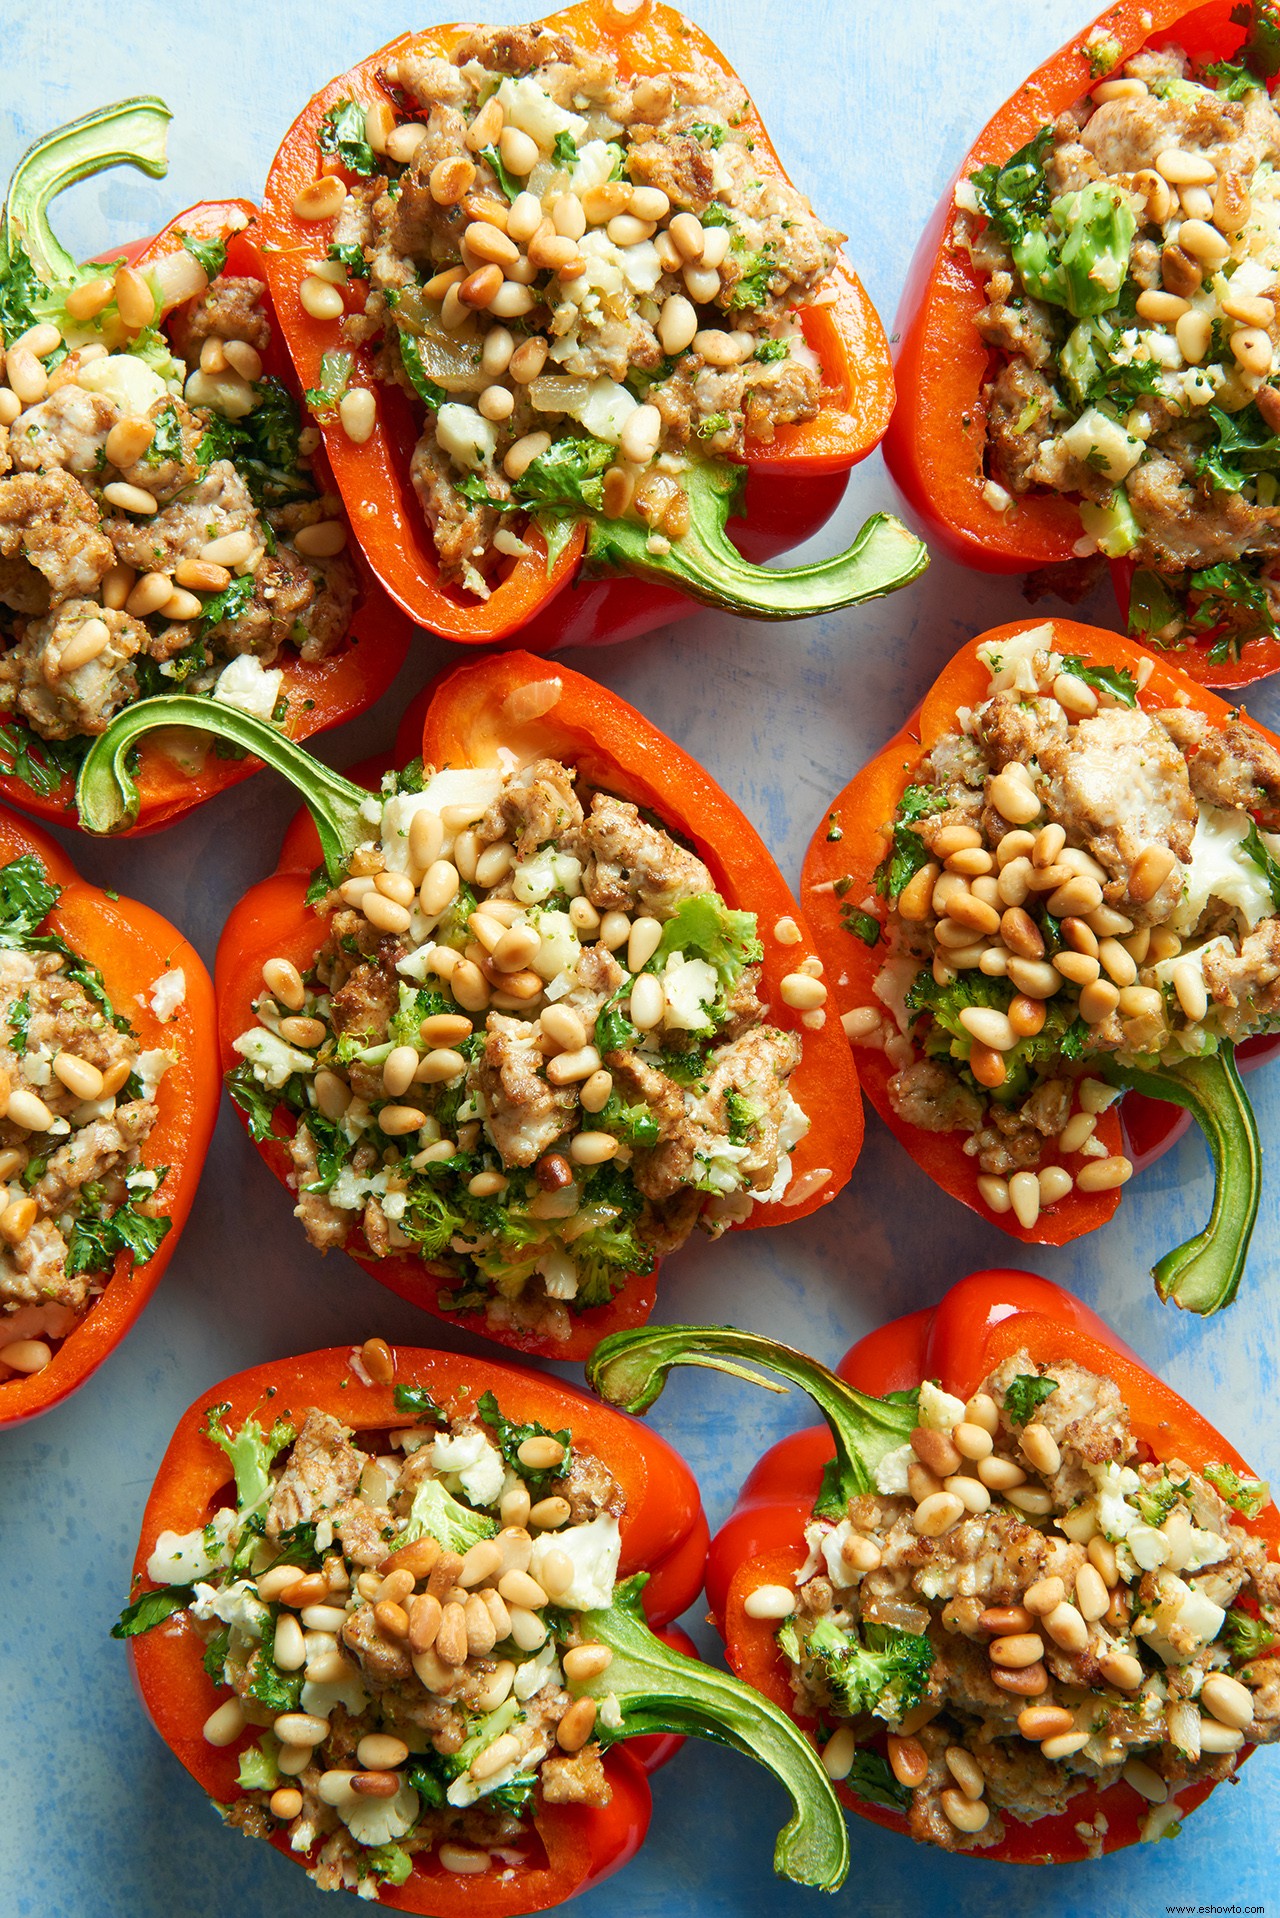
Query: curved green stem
{"points": [[1204, 1274], [107, 795], [127, 133], [705, 562], [629, 1369], [661, 1690]]}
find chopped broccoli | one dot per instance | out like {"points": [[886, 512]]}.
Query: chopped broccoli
{"points": [[705, 927], [636, 1124], [743, 1117], [251, 1451], [437, 1514], [511, 1437], [258, 1768], [1248, 1636], [1156, 1501], [907, 851], [885, 1673], [870, 1778], [1248, 1496]]}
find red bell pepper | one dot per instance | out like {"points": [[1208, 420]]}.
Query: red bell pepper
{"points": [[661, 1689], [786, 497], [34, 774], [470, 715], [131, 946], [849, 843], [982, 1320], [935, 444]]}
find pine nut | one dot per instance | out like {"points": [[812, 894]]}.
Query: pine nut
{"points": [[937, 1514], [1103, 1175], [972, 1441], [1203, 242], [1044, 1596], [1055, 1183], [1146, 1782], [1092, 1596], [522, 455], [1188, 984], [319, 299], [966, 1771], [1031, 1500], [702, 284], [582, 1663], [1193, 333], [321, 540], [1038, 1722], [130, 499], [640, 435], [1252, 349], [642, 942], [1230, 1702], [320, 199], [1102, 1556], [135, 302], [677, 324], [16, 1221], [839, 1753], [384, 913], [907, 1760], [463, 1860], [647, 1002], [1012, 798], [935, 1450], [78, 1075], [802, 992], [1015, 1652], [540, 1454], [1066, 1628], [686, 230], [983, 1412], [1041, 1449], [964, 1813], [223, 1726], [1215, 1737], [994, 1192], [593, 1148], [1121, 1669], [1024, 1196], [28, 1111]]}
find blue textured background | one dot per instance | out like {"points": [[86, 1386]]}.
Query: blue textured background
{"points": [[871, 106]]}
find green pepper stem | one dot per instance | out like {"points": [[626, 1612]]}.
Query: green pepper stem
{"points": [[127, 133], [661, 1690], [629, 1369], [1204, 1274], [705, 562], [107, 794]]}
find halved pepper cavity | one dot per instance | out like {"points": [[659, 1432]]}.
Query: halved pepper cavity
{"points": [[661, 1693], [871, 1405], [937, 442], [36, 274], [844, 886], [786, 497], [133, 949], [513, 704]]}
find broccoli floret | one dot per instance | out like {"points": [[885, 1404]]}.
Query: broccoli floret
{"points": [[884, 1673], [1249, 1496], [251, 1451], [1155, 1502], [1249, 1637], [438, 1514], [907, 851], [705, 928]]}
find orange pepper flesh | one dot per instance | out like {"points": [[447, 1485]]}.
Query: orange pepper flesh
{"points": [[982, 1320], [374, 479]]}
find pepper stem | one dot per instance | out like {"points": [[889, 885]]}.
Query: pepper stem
{"points": [[129, 132], [1204, 1274], [661, 1690], [629, 1369], [705, 562], [107, 794]]}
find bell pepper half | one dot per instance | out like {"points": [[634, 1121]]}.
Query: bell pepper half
{"points": [[705, 564], [132, 947], [664, 1693], [869, 1404], [38, 774], [470, 716], [1204, 1274], [935, 444]]}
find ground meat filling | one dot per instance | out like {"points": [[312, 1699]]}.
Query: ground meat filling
{"points": [[1065, 1613], [1069, 874], [159, 529], [382, 1635], [589, 277], [1132, 388], [532, 1052], [79, 1108]]}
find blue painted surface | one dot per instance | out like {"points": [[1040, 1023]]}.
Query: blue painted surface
{"points": [[98, 1820]]}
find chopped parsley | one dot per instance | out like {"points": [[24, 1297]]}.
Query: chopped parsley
{"points": [[1025, 1395], [907, 851], [863, 925], [342, 135], [335, 377]]}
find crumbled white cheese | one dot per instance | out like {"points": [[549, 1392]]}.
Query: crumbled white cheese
{"points": [[380, 1821], [561, 948], [593, 1551], [1148, 1548], [593, 166], [125, 380], [610, 1712], [559, 1274], [246, 684], [347, 1692], [150, 1070], [236, 1604], [542, 1669], [940, 1411], [691, 986], [891, 1472], [1114, 1516], [180, 1558], [351, 1189], [274, 1062], [1102, 442], [793, 1127], [1221, 870], [474, 1462], [534, 880], [168, 993], [530, 107], [1004, 658], [466, 436], [1184, 1621], [965, 197]]}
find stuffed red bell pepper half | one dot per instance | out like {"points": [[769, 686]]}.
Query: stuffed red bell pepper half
{"points": [[1059, 882], [109, 1091], [1020, 1594], [1089, 335], [397, 1613], [555, 301], [516, 1023], [165, 518]]}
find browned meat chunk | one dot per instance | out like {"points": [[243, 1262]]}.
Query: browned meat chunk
{"points": [[382, 1660], [463, 531], [324, 1224], [48, 520], [514, 49], [631, 864], [60, 705], [94, 1153], [525, 1115], [323, 1469], [230, 310], [1010, 727], [925, 1094], [755, 1067], [362, 1007], [1231, 766], [219, 504], [1118, 784], [1245, 986], [68, 430], [538, 805], [578, 1780]]}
